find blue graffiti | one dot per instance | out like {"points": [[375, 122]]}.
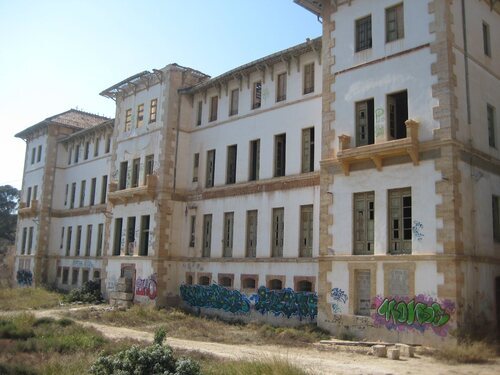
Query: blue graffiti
{"points": [[24, 277], [216, 297], [339, 295], [286, 302]]}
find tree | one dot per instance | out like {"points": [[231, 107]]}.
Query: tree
{"points": [[9, 199]]}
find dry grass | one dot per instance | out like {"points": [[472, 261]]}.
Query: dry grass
{"points": [[475, 352], [186, 326], [256, 367], [27, 298]]}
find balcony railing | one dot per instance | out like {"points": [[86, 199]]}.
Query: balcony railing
{"points": [[135, 194], [377, 152]]}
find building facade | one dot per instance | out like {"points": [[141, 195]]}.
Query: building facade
{"points": [[351, 180]]}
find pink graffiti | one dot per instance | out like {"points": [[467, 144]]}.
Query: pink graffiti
{"points": [[146, 287]]}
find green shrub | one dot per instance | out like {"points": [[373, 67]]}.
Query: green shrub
{"points": [[16, 369], [89, 292], [10, 330], [160, 335]]}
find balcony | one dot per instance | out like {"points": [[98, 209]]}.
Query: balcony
{"points": [[28, 211], [379, 151], [135, 194]]}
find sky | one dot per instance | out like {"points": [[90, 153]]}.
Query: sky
{"points": [[59, 54]]}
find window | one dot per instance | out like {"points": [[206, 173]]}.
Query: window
{"points": [[70, 155], [486, 39], [304, 286], [233, 109], [228, 234], [192, 228], [257, 95], [86, 150], [140, 115], [65, 275], [196, 164], [85, 276], [306, 231], [231, 164], [279, 155], [281, 87], [118, 236], [130, 244], [144, 246], [100, 233], [108, 144], [308, 78], [490, 114], [66, 192], [275, 284], [399, 283], [77, 153], [74, 276], [30, 240], [308, 150], [152, 110], [68, 241], [364, 33], [96, 146], [254, 160], [28, 197], [400, 221], [226, 281], [78, 240], [35, 192], [149, 170], [394, 23], [128, 119], [33, 154], [278, 231], [136, 163], [93, 184], [82, 193], [210, 169], [23, 242], [496, 217], [363, 292], [363, 220], [204, 280], [248, 283], [214, 102], [251, 248], [104, 188], [88, 242], [397, 107], [365, 127], [207, 235], [61, 244], [189, 279], [199, 113], [123, 175], [39, 154], [73, 195]]}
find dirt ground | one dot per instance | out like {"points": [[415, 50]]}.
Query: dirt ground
{"points": [[316, 360]]}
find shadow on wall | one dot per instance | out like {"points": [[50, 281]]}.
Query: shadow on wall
{"points": [[280, 303]]}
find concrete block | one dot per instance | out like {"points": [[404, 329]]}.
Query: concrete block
{"points": [[406, 350], [379, 351], [393, 353], [126, 283], [123, 296], [122, 288]]}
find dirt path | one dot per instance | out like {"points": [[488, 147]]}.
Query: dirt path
{"points": [[314, 360]]}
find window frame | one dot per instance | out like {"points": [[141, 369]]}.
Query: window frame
{"points": [[486, 39], [234, 102], [491, 123], [281, 87], [214, 108], [361, 45], [280, 155], [153, 108], [128, 120], [366, 241], [257, 94], [308, 87], [231, 164], [140, 116], [228, 235], [398, 20], [402, 242]]}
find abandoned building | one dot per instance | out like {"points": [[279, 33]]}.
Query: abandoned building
{"points": [[352, 180]]}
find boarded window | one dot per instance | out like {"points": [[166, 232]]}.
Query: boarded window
{"points": [[364, 33], [228, 234], [394, 23], [257, 95], [363, 220], [226, 281], [278, 232], [210, 169], [279, 155], [85, 276], [400, 221], [306, 231], [231, 164], [254, 160], [308, 78], [65, 276], [233, 109], [74, 276], [399, 284], [307, 150], [207, 235], [365, 130], [251, 248], [363, 290], [248, 283], [281, 87]]}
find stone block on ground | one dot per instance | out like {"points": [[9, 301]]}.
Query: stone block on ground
{"points": [[122, 296], [124, 283], [393, 353], [406, 350], [379, 351]]}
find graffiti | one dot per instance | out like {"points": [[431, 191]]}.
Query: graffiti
{"points": [[420, 313], [24, 277], [146, 287], [84, 263], [417, 230], [286, 302], [215, 297], [338, 295]]}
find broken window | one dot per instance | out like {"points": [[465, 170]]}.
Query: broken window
{"points": [[30, 240], [74, 276], [226, 281], [304, 286], [279, 155], [364, 219], [140, 115], [231, 164], [228, 234], [207, 235], [257, 95], [306, 231], [281, 87], [108, 144], [86, 151], [23, 241], [394, 23], [128, 119], [204, 280], [28, 197], [400, 221], [96, 146], [278, 232], [254, 160], [364, 33], [152, 110], [307, 150], [39, 154], [214, 103], [308, 78], [249, 282], [397, 106], [77, 153], [365, 129], [251, 248], [65, 275], [210, 169], [233, 108]]}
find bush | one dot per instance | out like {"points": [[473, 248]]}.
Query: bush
{"points": [[89, 292], [152, 360], [10, 330]]}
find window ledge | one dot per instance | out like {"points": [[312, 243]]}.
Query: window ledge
{"points": [[136, 194], [379, 151], [30, 211]]}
